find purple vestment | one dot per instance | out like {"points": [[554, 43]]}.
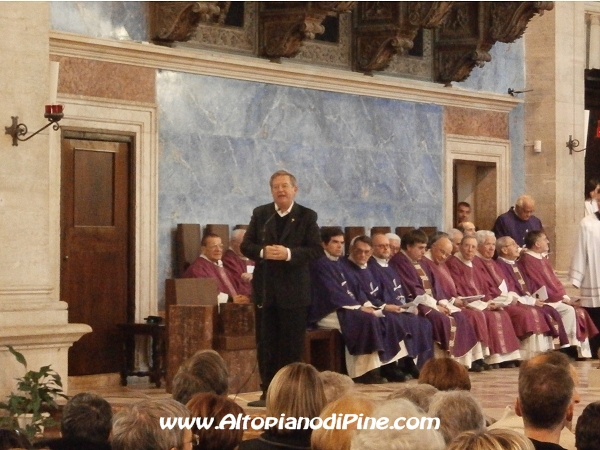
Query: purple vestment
{"points": [[526, 319], [235, 267], [363, 333], [412, 283], [551, 315], [538, 272], [509, 224], [444, 288], [203, 268], [502, 338]]}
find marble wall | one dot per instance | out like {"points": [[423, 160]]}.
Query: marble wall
{"points": [[121, 20], [358, 160]]}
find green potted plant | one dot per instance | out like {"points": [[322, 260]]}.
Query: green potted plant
{"points": [[27, 409]]}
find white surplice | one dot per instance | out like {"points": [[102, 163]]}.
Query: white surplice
{"points": [[585, 265]]}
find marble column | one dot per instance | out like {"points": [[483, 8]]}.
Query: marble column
{"points": [[555, 62], [594, 46], [32, 319]]}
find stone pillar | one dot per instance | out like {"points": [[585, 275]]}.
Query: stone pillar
{"points": [[555, 52], [32, 318], [594, 47]]}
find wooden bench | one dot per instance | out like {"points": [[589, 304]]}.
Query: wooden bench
{"points": [[324, 349]]}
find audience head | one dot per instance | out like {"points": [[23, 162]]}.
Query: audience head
{"points": [[458, 411], [592, 188], [139, 427], [467, 228], [414, 244], [587, 431], [337, 438], [399, 439], [537, 241], [524, 207], [10, 439], [445, 374], [211, 247], [419, 394], [394, 243], [205, 371], [440, 248], [86, 416], [463, 212], [283, 189], [507, 248], [468, 247], [381, 246], [237, 237], [361, 249], [486, 243], [335, 385], [296, 391], [545, 396], [455, 236], [208, 405], [560, 360], [498, 439], [332, 240]]}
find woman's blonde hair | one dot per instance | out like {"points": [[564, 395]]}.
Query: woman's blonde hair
{"points": [[497, 439], [296, 391], [337, 438]]}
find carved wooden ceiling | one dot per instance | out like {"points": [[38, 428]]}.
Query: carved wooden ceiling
{"points": [[463, 32]]}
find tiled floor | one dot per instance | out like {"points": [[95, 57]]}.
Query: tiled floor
{"points": [[495, 390]]}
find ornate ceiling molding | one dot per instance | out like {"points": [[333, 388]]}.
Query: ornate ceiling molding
{"points": [[384, 29], [470, 29], [284, 26]]}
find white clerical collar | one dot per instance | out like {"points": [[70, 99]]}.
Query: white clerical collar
{"points": [[382, 262], [479, 255], [535, 254], [463, 260], [283, 213], [507, 261], [330, 256], [428, 256], [218, 263], [409, 258], [364, 266]]}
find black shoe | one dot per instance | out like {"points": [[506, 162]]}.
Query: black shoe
{"points": [[393, 373], [507, 365], [260, 403], [494, 366], [370, 377], [409, 368], [476, 368]]}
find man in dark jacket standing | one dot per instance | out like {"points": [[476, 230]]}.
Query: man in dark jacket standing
{"points": [[282, 238]]}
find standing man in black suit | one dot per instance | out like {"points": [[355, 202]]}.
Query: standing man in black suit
{"points": [[282, 238]]}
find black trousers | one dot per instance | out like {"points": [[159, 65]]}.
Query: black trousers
{"points": [[280, 339]]}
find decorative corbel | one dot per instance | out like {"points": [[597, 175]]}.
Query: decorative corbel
{"points": [[384, 29], [284, 26], [177, 21]]}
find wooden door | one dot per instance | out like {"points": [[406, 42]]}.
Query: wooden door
{"points": [[95, 248]]}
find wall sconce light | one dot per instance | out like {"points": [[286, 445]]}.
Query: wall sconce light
{"points": [[53, 113], [572, 144], [537, 146]]}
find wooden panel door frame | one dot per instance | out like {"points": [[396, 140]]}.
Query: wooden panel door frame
{"points": [[480, 149], [128, 138], [139, 120]]}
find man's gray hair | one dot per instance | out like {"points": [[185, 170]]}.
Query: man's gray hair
{"points": [[482, 235], [237, 234], [393, 236], [396, 439], [453, 232], [419, 394], [502, 242], [283, 173], [139, 427], [458, 411], [524, 199]]}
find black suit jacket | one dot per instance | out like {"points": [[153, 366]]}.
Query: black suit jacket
{"points": [[283, 283]]}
